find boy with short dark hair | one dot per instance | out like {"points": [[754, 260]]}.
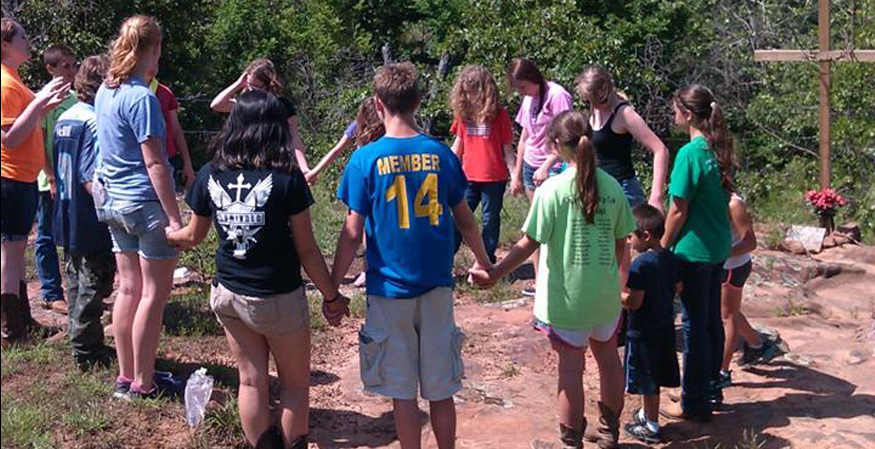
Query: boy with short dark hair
{"points": [[90, 263], [60, 62], [410, 190], [651, 362]]}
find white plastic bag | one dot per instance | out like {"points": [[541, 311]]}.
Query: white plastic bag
{"points": [[198, 390]]}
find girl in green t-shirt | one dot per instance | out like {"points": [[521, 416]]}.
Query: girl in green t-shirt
{"points": [[697, 230], [582, 218]]}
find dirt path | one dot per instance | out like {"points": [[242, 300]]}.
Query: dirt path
{"points": [[821, 394]]}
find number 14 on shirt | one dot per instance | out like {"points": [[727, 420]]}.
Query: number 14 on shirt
{"points": [[429, 189]]}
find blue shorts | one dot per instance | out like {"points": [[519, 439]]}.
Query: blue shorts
{"points": [[529, 172], [19, 209], [138, 226], [634, 192], [651, 362]]}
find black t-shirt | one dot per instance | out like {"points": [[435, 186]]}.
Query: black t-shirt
{"points": [[290, 107], [256, 255], [656, 273]]}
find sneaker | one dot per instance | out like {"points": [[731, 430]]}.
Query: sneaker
{"points": [[529, 291], [764, 353], [724, 380], [122, 389], [642, 433], [166, 384]]}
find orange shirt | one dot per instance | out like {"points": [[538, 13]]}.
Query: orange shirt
{"points": [[23, 162], [483, 156]]}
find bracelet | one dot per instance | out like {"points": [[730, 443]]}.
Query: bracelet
{"points": [[336, 297]]}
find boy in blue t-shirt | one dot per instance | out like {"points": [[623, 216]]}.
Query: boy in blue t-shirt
{"points": [[651, 362], [86, 242], [407, 190]]}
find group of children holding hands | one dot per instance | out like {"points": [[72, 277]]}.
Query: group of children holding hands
{"points": [[410, 199]]}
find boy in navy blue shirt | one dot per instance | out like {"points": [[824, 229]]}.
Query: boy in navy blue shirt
{"points": [[407, 190], [651, 361], [86, 242]]}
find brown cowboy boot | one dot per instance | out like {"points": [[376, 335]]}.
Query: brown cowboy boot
{"points": [[31, 326], [13, 326], [607, 434]]}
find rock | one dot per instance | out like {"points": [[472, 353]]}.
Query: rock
{"points": [[850, 229], [857, 357], [793, 246], [836, 239], [799, 359], [510, 304]]}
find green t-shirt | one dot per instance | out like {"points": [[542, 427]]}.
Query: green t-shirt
{"points": [[578, 277], [48, 125], [695, 178]]}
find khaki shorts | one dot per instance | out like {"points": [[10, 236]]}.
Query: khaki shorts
{"points": [[410, 343], [270, 316]]}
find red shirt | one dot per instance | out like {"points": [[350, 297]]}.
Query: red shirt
{"points": [[168, 104], [483, 156]]}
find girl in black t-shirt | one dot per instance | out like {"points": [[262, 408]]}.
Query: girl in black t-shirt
{"points": [[261, 74], [258, 200]]}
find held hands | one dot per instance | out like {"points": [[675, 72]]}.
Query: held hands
{"points": [[656, 201], [334, 310], [516, 186], [311, 177], [541, 175], [482, 276]]}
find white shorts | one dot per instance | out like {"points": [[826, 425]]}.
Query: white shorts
{"points": [[577, 338], [410, 344]]}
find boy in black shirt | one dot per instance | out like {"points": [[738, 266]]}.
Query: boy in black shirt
{"points": [[651, 362]]}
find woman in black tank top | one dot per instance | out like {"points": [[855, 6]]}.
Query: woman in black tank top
{"points": [[614, 125]]}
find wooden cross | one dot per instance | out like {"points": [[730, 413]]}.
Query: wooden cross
{"points": [[824, 56]]}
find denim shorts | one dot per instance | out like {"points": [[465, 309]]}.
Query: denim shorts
{"points": [[634, 192], [137, 226], [19, 209], [529, 172]]}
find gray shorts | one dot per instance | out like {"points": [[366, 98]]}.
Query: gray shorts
{"points": [[137, 226], [269, 316], [410, 344]]}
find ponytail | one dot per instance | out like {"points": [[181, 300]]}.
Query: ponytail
{"points": [[138, 34], [573, 133], [707, 117], [264, 71]]}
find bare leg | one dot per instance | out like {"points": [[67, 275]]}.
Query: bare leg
{"points": [[569, 395], [406, 415], [12, 266], [611, 376], [443, 422], [251, 351], [735, 324], [292, 355], [157, 283], [125, 308]]}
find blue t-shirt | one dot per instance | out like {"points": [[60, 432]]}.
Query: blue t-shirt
{"points": [[75, 226], [126, 117], [351, 130], [406, 189], [656, 273]]}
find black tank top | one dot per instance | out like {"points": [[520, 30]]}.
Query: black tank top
{"points": [[614, 150]]}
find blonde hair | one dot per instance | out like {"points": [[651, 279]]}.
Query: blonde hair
{"points": [[263, 70], [369, 127], [596, 85], [137, 35], [475, 96]]}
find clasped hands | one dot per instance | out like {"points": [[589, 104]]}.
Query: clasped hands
{"points": [[333, 310], [483, 276]]}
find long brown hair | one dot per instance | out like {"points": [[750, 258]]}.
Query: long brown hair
{"points": [[264, 71], [571, 130], [8, 30], [522, 69], [137, 35], [475, 96], [707, 116], [369, 127]]}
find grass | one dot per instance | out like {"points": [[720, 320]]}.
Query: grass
{"points": [[223, 423], [188, 313], [791, 309], [510, 371]]}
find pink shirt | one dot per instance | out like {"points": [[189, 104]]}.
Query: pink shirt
{"points": [[556, 100]]}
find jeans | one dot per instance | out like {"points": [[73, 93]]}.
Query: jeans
{"points": [[46, 254], [89, 281], [703, 334], [137, 226], [633, 191], [492, 196]]}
